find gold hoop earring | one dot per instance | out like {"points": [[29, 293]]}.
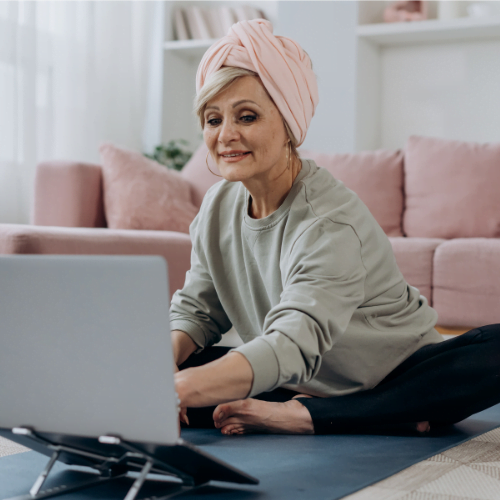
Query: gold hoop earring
{"points": [[206, 161], [289, 154]]}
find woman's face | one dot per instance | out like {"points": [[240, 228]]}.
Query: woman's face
{"points": [[245, 133]]}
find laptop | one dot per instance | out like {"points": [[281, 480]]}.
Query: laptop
{"points": [[86, 366]]}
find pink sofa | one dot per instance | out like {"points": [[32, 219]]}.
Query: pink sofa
{"points": [[443, 219]]}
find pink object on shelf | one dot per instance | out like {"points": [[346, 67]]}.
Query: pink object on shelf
{"points": [[139, 193], [404, 11], [452, 188]]}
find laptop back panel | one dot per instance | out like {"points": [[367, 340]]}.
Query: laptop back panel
{"points": [[85, 346]]}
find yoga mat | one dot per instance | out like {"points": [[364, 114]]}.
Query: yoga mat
{"points": [[291, 467]]}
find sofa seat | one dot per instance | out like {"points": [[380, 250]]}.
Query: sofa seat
{"points": [[467, 282], [173, 246], [415, 260]]}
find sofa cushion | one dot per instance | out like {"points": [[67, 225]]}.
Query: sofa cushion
{"points": [[467, 282], [197, 174], [415, 260], [451, 189], [376, 177], [139, 193]]}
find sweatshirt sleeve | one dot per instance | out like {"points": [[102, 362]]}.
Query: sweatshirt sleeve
{"points": [[196, 309], [323, 286]]}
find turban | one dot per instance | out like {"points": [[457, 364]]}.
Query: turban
{"points": [[283, 67]]}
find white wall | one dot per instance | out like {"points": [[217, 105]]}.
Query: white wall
{"points": [[448, 90], [327, 31]]}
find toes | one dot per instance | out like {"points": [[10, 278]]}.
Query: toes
{"points": [[233, 429], [423, 427], [222, 412], [226, 410]]}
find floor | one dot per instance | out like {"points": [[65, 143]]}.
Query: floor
{"points": [[470, 471]]}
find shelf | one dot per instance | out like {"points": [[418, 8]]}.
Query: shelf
{"points": [[432, 30], [190, 49]]}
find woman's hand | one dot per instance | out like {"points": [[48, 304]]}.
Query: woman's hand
{"points": [[226, 379]]}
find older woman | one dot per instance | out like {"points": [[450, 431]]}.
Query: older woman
{"points": [[334, 338]]}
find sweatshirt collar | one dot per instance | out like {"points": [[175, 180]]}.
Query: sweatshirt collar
{"points": [[283, 209]]}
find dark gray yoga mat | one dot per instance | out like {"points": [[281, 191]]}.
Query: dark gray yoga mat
{"points": [[291, 467]]}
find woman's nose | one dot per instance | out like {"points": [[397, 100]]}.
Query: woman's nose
{"points": [[228, 132]]}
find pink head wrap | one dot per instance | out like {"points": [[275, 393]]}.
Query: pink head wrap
{"points": [[282, 65]]}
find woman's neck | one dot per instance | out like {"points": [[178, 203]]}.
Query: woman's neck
{"points": [[268, 195]]}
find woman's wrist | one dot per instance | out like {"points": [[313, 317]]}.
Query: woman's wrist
{"points": [[227, 379]]}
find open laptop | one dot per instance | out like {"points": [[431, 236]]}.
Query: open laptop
{"points": [[86, 368]]}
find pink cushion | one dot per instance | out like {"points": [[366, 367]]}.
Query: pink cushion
{"points": [[196, 172], [467, 282], [139, 193], [415, 260], [452, 189], [376, 177]]}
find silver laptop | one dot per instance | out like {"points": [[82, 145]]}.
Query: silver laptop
{"points": [[86, 361]]}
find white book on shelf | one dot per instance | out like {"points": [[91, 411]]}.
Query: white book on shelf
{"points": [[180, 26], [192, 24], [196, 18], [240, 13], [227, 18], [214, 23], [252, 12]]}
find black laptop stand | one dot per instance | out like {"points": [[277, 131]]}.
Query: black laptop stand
{"points": [[113, 458]]}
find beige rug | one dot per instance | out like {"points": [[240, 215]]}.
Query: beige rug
{"points": [[470, 471]]}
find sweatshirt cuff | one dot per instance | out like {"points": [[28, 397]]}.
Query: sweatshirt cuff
{"points": [[264, 364], [192, 329]]}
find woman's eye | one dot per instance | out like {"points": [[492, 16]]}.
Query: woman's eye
{"points": [[214, 122], [248, 118]]}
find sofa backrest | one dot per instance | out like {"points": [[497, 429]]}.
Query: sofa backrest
{"points": [[376, 177], [452, 188]]}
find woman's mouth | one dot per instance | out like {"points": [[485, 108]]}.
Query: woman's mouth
{"points": [[234, 156]]}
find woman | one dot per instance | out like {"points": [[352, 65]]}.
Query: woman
{"points": [[334, 338]]}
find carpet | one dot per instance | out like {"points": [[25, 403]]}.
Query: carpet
{"points": [[327, 467]]}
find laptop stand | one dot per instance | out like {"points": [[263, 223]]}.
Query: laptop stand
{"points": [[114, 458]]}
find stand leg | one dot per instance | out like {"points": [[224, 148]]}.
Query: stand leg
{"points": [[59, 490], [43, 475], [132, 493]]}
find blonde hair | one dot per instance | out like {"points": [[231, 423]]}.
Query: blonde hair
{"points": [[220, 81]]}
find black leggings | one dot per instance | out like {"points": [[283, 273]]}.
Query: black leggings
{"points": [[442, 383]]}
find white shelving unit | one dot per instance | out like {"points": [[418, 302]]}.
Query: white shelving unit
{"points": [[379, 82], [434, 77], [430, 31], [190, 49]]}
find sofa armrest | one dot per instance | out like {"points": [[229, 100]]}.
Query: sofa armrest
{"points": [[174, 247], [68, 194]]}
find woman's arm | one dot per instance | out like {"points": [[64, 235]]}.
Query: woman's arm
{"points": [[182, 345], [226, 379]]}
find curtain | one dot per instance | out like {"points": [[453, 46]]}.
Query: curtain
{"points": [[72, 75]]}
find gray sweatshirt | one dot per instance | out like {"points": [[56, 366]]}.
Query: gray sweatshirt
{"points": [[313, 289]]}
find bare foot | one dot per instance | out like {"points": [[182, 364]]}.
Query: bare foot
{"points": [[252, 415], [423, 427]]}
